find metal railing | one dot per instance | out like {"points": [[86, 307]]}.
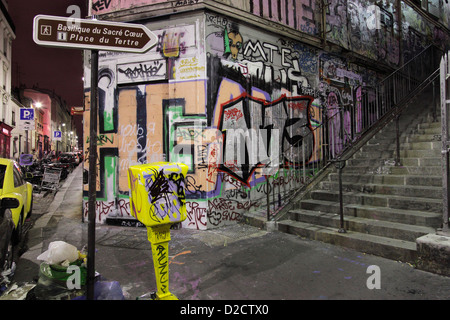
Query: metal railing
{"points": [[444, 72], [344, 126]]}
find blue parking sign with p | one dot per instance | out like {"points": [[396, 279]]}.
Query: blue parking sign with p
{"points": [[57, 134], [26, 114]]}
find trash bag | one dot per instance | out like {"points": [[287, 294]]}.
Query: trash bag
{"points": [[56, 280], [59, 251], [53, 282], [59, 273]]}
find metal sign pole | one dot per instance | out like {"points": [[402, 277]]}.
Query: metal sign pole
{"points": [[135, 38], [26, 145], [92, 176]]}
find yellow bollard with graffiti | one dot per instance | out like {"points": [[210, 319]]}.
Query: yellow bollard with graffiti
{"points": [[157, 199]]}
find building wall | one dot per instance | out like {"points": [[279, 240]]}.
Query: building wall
{"points": [[42, 118], [348, 23], [141, 98], [17, 134], [7, 106], [210, 76]]}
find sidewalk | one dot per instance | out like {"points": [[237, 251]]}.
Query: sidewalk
{"points": [[238, 262]]}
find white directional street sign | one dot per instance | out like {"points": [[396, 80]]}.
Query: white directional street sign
{"points": [[89, 34]]}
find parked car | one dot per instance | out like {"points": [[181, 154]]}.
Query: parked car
{"points": [[49, 158], [77, 158], [68, 157], [80, 155], [16, 205]]}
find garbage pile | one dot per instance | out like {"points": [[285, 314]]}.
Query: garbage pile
{"points": [[63, 276]]}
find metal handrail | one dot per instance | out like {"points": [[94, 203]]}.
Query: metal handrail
{"points": [[444, 79], [375, 105], [410, 61]]}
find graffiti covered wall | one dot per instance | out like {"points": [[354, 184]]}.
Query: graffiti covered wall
{"points": [[142, 97], [366, 27], [233, 102], [278, 92], [227, 101], [375, 29]]}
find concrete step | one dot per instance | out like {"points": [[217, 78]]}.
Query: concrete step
{"points": [[383, 153], [434, 171], [432, 153], [385, 189], [428, 130], [415, 217], [396, 170], [391, 141], [421, 145], [395, 249], [390, 161], [363, 225], [388, 201], [421, 162], [412, 145], [375, 153], [390, 179], [427, 125], [368, 163], [424, 137], [387, 205]]}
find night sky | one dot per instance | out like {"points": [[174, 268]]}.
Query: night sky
{"points": [[55, 69]]}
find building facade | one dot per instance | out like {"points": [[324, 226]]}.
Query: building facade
{"points": [[51, 114], [231, 85], [7, 106]]}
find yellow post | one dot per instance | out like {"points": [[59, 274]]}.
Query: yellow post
{"points": [[157, 199], [159, 237]]}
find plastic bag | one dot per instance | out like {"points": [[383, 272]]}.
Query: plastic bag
{"points": [[59, 251]]}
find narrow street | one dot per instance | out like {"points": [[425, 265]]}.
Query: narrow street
{"points": [[298, 149], [232, 263]]}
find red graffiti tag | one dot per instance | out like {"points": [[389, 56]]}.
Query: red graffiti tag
{"points": [[233, 114]]}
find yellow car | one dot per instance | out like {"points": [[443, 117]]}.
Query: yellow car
{"points": [[16, 204]]}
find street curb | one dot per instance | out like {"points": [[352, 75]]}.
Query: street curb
{"points": [[35, 232], [57, 200]]}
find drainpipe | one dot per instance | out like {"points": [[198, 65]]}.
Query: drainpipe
{"points": [[398, 9], [444, 73], [323, 22]]}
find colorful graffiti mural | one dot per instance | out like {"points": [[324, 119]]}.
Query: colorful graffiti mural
{"points": [[233, 103]]}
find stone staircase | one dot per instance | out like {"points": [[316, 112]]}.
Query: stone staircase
{"points": [[386, 207]]}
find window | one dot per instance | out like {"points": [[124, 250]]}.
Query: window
{"points": [[5, 44], [5, 75], [432, 7], [2, 174], [17, 178]]}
